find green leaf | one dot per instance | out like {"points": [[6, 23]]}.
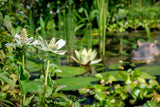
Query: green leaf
{"points": [[147, 76], [41, 101], [42, 23], [33, 66], [28, 100], [136, 93], [7, 22], [23, 87], [78, 27], [8, 102], [152, 83], [30, 86], [49, 88], [123, 75], [100, 96], [99, 76], [69, 71], [152, 70], [76, 82], [150, 104], [76, 104], [7, 80]]}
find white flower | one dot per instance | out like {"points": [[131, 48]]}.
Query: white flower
{"points": [[53, 46], [22, 40], [28, 7], [51, 12], [85, 57], [48, 5]]}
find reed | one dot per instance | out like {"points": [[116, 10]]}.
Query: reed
{"points": [[66, 28], [102, 7]]}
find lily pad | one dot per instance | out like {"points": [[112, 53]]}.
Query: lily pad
{"points": [[69, 71], [33, 66], [153, 70], [114, 73], [74, 83]]}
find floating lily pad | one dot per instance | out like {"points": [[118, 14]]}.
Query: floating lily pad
{"points": [[33, 66], [114, 73], [153, 70], [74, 83], [69, 71]]}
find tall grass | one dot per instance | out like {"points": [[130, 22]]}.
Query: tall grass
{"points": [[102, 6], [66, 28]]}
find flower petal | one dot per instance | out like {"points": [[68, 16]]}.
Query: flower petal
{"points": [[29, 40], [60, 43], [61, 52], [52, 42], [18, 36], [35, 42], [95, 61], [11, 44]]}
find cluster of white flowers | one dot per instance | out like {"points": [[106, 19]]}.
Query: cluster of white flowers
{"points": [[22, 40], [82, 57], [53, 46]]}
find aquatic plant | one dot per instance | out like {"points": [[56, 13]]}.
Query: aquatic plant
{"points": [[126, 89], [102, 7], [84, 57], [52, 46], [22, 40]]}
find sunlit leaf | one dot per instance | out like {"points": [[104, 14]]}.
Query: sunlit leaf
{"points": [[28, 100]]}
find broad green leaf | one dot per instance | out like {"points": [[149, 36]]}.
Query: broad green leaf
{"points": [[122, 75], [73, 83], [152, 70], [69, 71]]}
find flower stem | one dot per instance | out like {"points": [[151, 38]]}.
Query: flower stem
{"points": [[46, 78], [23, 63], [23, 59], [23, 67]]}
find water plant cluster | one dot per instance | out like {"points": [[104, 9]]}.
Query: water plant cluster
{"points": [[63, 54]]}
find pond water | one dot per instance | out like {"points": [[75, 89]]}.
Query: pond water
{"points": [[121, 52]]}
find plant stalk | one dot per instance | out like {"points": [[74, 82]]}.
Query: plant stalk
{"points": [[46, 79]]}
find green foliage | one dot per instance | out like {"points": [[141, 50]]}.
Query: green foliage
{"points": [[133, 90], [75, 21]]}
